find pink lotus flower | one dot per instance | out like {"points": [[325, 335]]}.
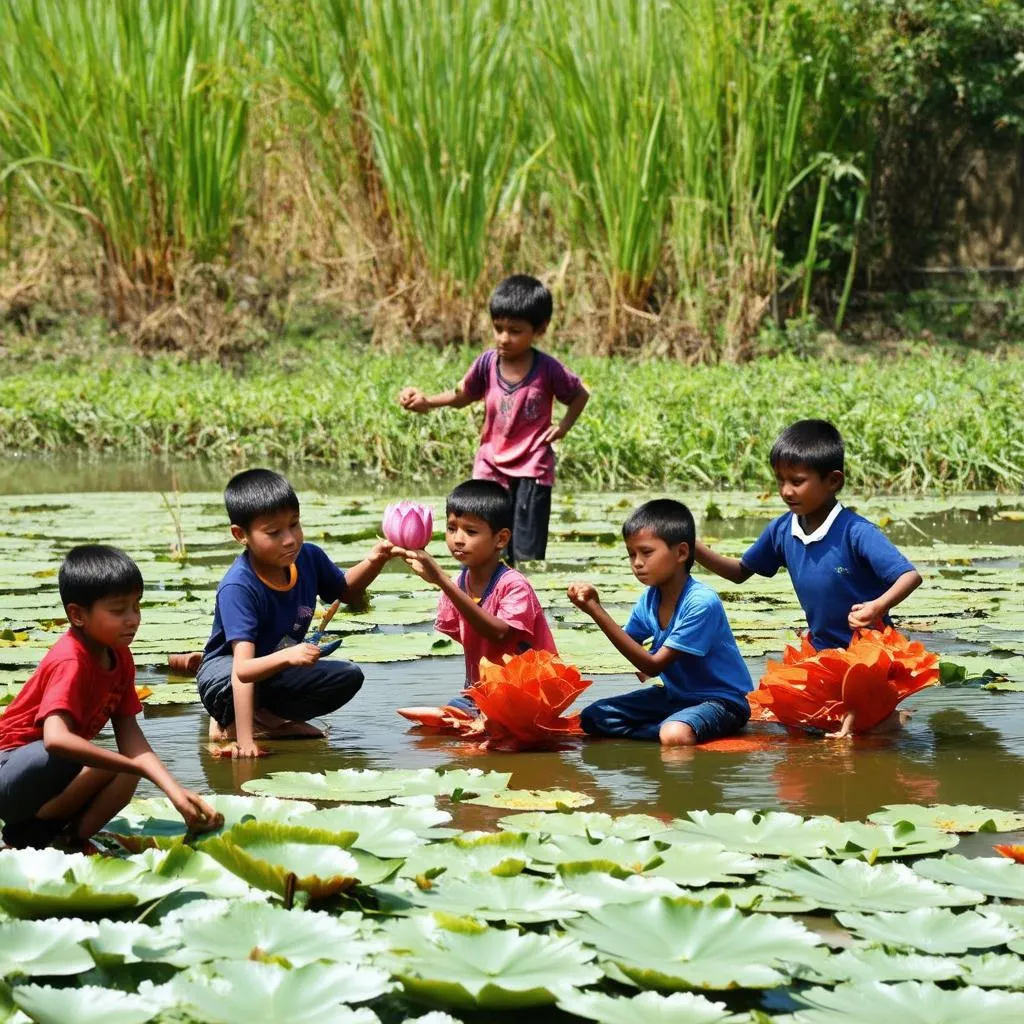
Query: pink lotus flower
{"points": [[408, 525]]}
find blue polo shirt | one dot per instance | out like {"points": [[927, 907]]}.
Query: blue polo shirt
{"points": [[846, 561], [710, 666], [271, 618]]}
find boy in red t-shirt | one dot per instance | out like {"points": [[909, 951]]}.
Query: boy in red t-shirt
{"points": [[52, 776], [518, 385]]}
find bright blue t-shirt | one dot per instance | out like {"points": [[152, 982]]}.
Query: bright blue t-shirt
{"points": [[709, 666], [248, 609], [850, 563]]}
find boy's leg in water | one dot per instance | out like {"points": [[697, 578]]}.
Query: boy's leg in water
{"points": [[531, 516], [636, 715], [701, 723]]}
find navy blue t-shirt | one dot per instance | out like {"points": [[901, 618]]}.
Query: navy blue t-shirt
{"points": [[249, 609], [709, 666], [845, 562]]}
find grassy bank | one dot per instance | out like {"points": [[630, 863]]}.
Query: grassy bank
{"points": [[917, 420]]}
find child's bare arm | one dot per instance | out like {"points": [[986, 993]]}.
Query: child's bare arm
{"points": [[250, 669], [416, 400], [731, 569], [585, 597], [360, 576], [572, 414], [490, 627], [868, 614]]}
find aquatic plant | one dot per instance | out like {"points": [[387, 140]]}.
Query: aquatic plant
{"points": [[408, 525]]}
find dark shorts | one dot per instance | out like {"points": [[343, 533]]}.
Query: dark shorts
{"points": [[531, 514], [29, 778], [299, 692], [640, 714]]}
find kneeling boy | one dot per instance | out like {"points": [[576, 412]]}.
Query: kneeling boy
{"points": [[53, 778], [256, 669], [705, 681]]}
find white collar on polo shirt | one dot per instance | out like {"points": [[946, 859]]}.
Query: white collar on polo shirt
{"points": [[820, 532]]}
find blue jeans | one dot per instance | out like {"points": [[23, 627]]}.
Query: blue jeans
{"points": [[298, 693], [640, 714]]}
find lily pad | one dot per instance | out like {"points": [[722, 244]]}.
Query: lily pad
{"points": [[994, 876], [487, 969], [855, 885], [603, 884], [910, 1002], [582, 823], [951, 817], [674, 944], [993, 970], [931, 930], [532, 799], [44, 947], [368, 785], [649, 1007], [384, 831], [877, 963], [88, 1004], [502, 853]]}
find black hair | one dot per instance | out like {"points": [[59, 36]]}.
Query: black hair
{"points": [[814, 443], [91, 572], [257, 492], [483, 499], [522, 297], [669, 520]]}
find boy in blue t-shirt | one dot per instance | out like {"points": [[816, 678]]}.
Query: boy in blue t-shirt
{"points": [[846, 573], [705, 681], [256, 671]]}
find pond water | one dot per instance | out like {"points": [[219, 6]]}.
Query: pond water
{"points": [[963, 744]]}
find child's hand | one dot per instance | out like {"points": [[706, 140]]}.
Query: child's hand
{"points": [[584, 596], [424, 566], [413, 399], [866, 616], [550, 436], [198, 814], [240, 751], [382, 551], [302, 654]]}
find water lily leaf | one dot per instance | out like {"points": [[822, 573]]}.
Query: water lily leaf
{"points": [[129, 942], [951, 817], [910, 1002], [602, 884], [522, 899], [931, 930], [487, 969], [855, 885], [674, 944], [649, 1007], [251, 992], [368, 785], [44, 947], [503, 853], [86, 1005], [285, 858], [48, 883], [994, 876], [384, 831], [877, 963], [196, 871], [581, 823], [993, 970], [172, 693], [532, 799]]}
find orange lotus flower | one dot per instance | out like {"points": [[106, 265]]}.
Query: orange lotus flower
{"points": [[442, 719], [523, 699], [869, 678], [1013, 852]]}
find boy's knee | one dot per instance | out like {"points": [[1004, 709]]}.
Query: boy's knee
{"points": [[589, 719], [677, 734]]}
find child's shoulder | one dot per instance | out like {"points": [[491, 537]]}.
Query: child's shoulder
{"points": [[699, 597], [67, 649], [513, 579]]}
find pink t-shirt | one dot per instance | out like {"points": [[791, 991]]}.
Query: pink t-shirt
{"points": [[517, 415], [508, 597]]}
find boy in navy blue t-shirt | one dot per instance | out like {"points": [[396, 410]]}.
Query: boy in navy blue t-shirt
{"points": [[846, 573], [704, 679], [257, 672]]}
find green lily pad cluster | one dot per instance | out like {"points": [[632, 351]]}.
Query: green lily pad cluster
{"points": [[375, 911]]}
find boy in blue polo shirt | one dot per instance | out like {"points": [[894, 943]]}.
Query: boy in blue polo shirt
{"points": [[257, 672], [704, 680], [846, 573]]}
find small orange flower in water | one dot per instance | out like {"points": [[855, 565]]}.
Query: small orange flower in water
{"points": [[1013, 852], [817, 689], [523, 699]]}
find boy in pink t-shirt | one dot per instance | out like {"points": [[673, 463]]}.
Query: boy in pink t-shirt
{"points": [[518, 385], [489, 608]]}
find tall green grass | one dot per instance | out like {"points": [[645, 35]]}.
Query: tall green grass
{"points": [[131, 118]]}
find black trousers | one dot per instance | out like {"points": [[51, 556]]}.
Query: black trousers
{"points": [[531, 503]]}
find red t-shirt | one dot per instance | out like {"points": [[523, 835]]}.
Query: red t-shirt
{"points": [[70, 679]]}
